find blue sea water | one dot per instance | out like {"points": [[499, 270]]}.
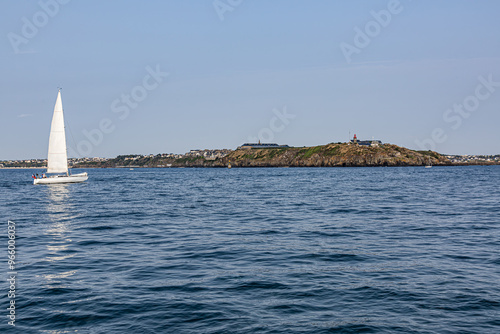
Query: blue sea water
{"points": [[268, 250]]}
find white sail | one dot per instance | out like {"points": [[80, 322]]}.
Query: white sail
{"points": [[57, 159]]}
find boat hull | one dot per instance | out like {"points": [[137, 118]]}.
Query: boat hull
{"points": [[76, 178]]}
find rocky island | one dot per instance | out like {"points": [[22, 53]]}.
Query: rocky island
{"points": [[335, 155]]}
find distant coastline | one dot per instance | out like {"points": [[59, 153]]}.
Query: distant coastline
{"points": [[330, 155]]}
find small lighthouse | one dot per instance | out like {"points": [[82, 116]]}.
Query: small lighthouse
{"points": [[355, 140]]}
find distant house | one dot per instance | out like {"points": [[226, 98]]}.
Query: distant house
{"points": [[249, 146], [372, 142]]}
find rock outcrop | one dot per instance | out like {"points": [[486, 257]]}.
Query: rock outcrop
{"points": [[331, 155]]}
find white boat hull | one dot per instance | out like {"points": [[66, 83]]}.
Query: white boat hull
{"points": [[62, 179]]}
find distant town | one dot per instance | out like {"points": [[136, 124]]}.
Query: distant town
{"points": [[133, 160]]}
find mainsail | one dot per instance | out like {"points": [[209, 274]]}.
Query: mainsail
{"points": [[57, 159]]}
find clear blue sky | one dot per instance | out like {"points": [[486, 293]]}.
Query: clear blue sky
{"points": [[227, 76]]}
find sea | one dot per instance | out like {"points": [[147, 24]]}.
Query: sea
{"points": [[253, 250]]}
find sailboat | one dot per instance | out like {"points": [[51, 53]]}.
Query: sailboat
{"points": [[57, 161]]}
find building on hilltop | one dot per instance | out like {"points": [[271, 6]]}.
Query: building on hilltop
{"points": [[249, 146], [372, 142]]}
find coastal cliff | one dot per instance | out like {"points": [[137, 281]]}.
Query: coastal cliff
{"points": [[332, 155]]}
